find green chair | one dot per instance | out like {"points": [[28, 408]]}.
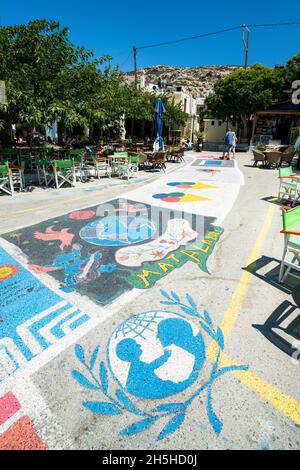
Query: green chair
{"points": [[45, 171], [77, 155], [130, 167], [6, 181], [287, 186], [291, 252], [64, 173], [118, 161]]}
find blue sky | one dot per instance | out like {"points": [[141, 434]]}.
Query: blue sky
{"points": [[113, 27]]}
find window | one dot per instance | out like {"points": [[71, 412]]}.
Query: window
{"points": [[212, 123], [220, 123]]}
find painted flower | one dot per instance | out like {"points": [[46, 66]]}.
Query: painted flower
{"points": [[7, 271]]}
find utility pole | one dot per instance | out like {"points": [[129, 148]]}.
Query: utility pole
{"points": [[135, 66], [246, 43]]}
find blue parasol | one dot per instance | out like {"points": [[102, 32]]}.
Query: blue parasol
{"points": [[159, 124]]}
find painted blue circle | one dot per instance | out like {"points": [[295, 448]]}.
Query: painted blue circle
{"points": [[118, 231], [156, 354], [173, 184], [159, 196]]}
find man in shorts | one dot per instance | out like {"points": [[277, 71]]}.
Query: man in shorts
{"points": [[230, 141]]}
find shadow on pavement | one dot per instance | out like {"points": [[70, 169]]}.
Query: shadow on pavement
{"points": [[282, 327]]}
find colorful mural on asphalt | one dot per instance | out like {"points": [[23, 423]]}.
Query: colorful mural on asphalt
{"points": [[213, 163], [21, 433], [105, 256], [156, 355], [203, 191], [33, 317]]}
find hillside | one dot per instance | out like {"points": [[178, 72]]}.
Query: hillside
{"points": [[198, 81]]}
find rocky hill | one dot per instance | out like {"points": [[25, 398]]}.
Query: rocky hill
{"points": [[198, 81]]}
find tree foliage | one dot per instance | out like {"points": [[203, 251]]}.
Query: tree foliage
{"points": [[243, 92], [49, 78], [292, 70]]}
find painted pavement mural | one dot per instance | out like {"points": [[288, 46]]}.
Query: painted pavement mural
{"points": [[215, 163], [104, 256], [32, 317], [156, 355]]}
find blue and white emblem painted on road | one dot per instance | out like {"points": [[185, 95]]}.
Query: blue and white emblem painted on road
{"points": [[153, 356]]}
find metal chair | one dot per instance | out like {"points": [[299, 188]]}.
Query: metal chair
{"points": [[291, 231]]}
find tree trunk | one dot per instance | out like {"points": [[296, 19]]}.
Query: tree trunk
{"points": [[5, 132], [245, 126]]}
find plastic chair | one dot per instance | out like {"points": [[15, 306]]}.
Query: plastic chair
{"points": [[6, 181], [291, 231], [64, 173]]}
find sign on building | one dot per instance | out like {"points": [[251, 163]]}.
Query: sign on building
{"points": [[2, 92]]}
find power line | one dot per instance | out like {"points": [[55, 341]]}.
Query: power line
{"points": [[244, 27], [189, 38], [218, 32]]}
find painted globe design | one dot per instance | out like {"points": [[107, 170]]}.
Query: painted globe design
{"points": [[156, 354], [118, 231]]}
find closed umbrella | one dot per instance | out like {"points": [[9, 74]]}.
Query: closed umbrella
{"points": [[159, 124]]}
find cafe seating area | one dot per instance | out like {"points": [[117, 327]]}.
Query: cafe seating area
{"points": [[55, 167], [269, 156]]}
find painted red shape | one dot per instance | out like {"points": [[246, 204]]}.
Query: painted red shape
{"points": [[171, 199], [40, 269], [9, 405], [184, 186], [63, 235], [21, 436], [82, 215]]}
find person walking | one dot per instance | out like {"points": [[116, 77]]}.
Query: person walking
{"points": [[234, 142], [230, 139]]}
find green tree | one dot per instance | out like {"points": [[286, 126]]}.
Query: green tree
{"points": [[292, 70], [243, 92], [46, 76]]}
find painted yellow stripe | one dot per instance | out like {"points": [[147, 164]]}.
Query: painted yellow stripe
{"points": [[232, 312], [282, 402]]}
